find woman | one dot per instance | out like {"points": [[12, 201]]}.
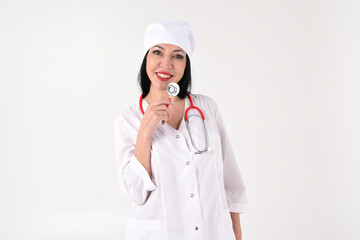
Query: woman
{"points": [[183, 179]]}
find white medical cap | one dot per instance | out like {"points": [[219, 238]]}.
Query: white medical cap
{"points": [[172, 31]]}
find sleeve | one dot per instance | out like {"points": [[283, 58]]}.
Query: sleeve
{"points": [[234, 184], [133, 178]]}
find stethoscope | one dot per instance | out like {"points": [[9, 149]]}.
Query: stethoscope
{"points": [[173, 89]]}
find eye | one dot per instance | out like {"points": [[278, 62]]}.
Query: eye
{"points": [[178, 56], [156, 52]]}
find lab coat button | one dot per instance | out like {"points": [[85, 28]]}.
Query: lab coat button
{"points": [[187, 163], [192, 195], [177, 136], [196, 228]]}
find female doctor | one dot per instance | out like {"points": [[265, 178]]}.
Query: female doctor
{"points": [[174, 158]]}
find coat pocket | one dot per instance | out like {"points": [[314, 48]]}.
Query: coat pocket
{"points": [[140, 229], [216, 147]]}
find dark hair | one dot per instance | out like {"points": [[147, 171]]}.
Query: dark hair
{"points": [[184, 83]]}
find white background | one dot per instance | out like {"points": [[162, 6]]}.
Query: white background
{"points": [[285, 75]]}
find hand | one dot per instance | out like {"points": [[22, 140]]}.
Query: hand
{"points": [[155, 112]]}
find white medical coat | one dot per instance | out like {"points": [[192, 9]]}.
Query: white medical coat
{"points": [[189, 196]]}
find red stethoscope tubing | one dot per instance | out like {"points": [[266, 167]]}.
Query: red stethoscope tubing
{"points": [[186, 111]]}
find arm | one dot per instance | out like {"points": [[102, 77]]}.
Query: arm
{"points": [[143, 149], [133, 156], [155, 112], [235, 217], [234, 185], [134, 179]]}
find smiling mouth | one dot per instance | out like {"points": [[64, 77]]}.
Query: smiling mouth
{"points": [[163, 77]]}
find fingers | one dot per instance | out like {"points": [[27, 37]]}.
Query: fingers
{"points": [[162, 102], [164, 115], [159, 110]]}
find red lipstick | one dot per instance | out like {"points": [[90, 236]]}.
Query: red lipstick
{"points": [[163, 79]]}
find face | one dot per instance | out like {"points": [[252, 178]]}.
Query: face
{"points": [[165, 64]]}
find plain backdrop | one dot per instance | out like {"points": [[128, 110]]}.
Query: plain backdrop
{"points": [[285, 75]]}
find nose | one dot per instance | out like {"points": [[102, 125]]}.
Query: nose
{"points": [[166, 62]]}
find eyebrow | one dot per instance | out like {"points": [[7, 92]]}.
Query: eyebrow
{"points": [[176, 50]]}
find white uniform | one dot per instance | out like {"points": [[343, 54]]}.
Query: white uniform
{"points": [[190, 196]]}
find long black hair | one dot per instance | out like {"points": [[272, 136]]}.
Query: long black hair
{"points": [[184, 83]]}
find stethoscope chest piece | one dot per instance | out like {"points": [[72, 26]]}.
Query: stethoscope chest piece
{"points": [[173, 89]]}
